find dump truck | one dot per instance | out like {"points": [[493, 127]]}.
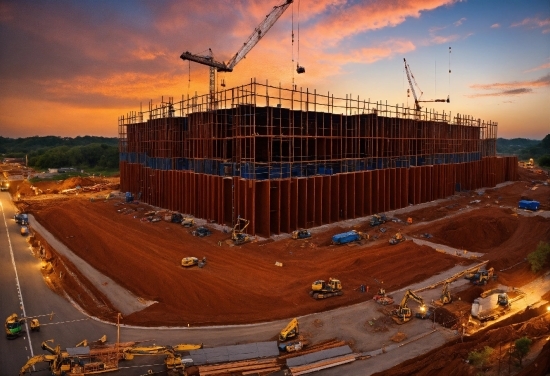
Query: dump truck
{"points": [[348, 237], [321, 289], [502, 307], [529, 205], [483, 277]]}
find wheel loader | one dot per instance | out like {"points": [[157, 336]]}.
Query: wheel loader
{"points": [[321, 289]]}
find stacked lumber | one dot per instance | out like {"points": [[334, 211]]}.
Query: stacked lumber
{"points": [[328, 344], [323, 364], [246, 367]]}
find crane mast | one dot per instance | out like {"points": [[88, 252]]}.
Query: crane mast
{"points": [[254, 38], [411, 79]]}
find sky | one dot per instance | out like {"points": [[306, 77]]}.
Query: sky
{"points": [[70, 68]]}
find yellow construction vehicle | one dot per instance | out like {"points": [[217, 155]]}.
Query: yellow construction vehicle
{"points": [[397, 238], [403, 314], [321, 289], [290, 331], [382, 298], [445, 295], [237, 235], [483, 276], [35, 360], [188, 222], [14, 325], [301, 234]]}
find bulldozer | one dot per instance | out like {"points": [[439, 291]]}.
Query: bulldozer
{"points": [[290, 331], [404, 314], [397, 238], [188, 222], [321, 289], [237, 235], [301, 234], [192, 261]]}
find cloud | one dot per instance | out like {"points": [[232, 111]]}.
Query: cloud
{"points": [[459, 22], [511, 88], [534, 23], [543, 66], [495, 26]]}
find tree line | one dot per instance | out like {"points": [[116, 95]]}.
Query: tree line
{"points": [[55, 152]]}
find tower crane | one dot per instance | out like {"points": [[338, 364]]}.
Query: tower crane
{"points": [[252, 40], [417, 100]]}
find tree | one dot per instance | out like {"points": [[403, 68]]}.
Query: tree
{"points": [[546, 142], [544, 161], [478, 358], [539, 257], [522, 347]]}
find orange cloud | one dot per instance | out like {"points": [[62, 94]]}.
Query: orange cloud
{"points": [[534, 23], [511, 88]]}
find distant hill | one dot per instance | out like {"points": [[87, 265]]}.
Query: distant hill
{"points": [[525, 149], [18, 147]]}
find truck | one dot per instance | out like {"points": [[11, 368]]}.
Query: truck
{"points": [[502, 307], [21, 218], [4, 185], [378, 219], [529, 205], [348, 237]]}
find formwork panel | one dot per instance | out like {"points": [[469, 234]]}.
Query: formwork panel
{"points": [[318, 209], [294, 207], [285, 206], [249, 208], [376, 207], [429, 183], [326, 199], [359, 194], [302, 200], [404, 187], [350, 194], [392, 186], [262, 215], [342, 189], [386, 188], [310, 203], [335, 198], [368, 199]]}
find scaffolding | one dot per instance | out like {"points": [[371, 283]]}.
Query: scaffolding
{"points": [[270, 136]]}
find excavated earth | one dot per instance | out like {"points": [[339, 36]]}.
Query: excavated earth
{"points": [[243, 284]]}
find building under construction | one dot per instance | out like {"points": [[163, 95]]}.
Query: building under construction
{"points": [[288, 159]]}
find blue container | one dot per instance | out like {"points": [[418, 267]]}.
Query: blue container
{"points": [[529, 205], [346, 237]]}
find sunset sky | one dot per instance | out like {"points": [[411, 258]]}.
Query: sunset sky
{"points": [[70, 68]]}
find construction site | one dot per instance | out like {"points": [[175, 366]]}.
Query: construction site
{"points": [[392, 240], [287, 159]]}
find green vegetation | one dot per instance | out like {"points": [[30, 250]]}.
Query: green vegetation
{"points": [[522, 347], [478, 358], [525, 149], [539, 257], [95, 154]]}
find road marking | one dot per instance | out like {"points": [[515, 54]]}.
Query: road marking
{"points": [[62, 322], [144, 365], [16, 278]]}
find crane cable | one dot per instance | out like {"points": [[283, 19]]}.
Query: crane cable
{"points": [[292, 68], [298, 57]]}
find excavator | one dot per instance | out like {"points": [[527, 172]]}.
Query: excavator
{"points": [[445, 297], [237, 235], [290, 331], [404, 314], [321, 289], [483, 276]]}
